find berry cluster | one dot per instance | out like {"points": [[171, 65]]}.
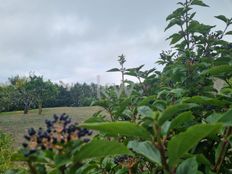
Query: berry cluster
{"points": [[125, 161], [59, 131]]}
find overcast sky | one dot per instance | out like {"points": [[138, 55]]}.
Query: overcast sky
{"points": [[76, 40]]}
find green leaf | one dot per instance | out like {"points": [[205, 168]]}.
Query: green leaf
{"points": [[172, 23], [199, 2], [94, 119], [218, 151], [164, 92], [147, 149], [100, 148], [18, 156], [181, 119], [147, 100], [202, 100], [160, 104], [54, 171], [223, 60], [85, 169], [219, 70], [196, 27], [175, 14], [226, 118], [135, 72], [165, 128], [201, 159], [180, 144], [188, 166], [114, 70], [173, 110], [120, 128], [178, 92], [214, 118], [175, 38], [61, 160], [145, 111], [192, 15], [39, 156], [41, 169], [222, 18], [122, 171], [14, 171], [229, 33]]}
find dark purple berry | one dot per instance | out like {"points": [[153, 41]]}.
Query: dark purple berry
{"points": [[27, 137], [31, 131], [25, 145]]}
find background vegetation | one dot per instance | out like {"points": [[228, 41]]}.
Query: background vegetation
{"points": [[24, 93]]}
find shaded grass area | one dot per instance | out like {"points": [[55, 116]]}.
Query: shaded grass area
{"points": [[16, 123]]}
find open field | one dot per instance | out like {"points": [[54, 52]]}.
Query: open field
{"points": [[16, 123]]}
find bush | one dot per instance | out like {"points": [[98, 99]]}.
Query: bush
{"points": [[5, 152]]}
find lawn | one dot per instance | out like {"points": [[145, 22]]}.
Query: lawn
{"points": [[16, 123]]}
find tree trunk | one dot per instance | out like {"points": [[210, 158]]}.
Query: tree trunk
{"points": [[40, 108], [26, 108]]}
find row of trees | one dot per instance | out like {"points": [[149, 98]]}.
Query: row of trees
{"points": [[23, 93]]}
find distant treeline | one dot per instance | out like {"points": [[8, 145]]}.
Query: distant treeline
{"points": [[24, 93]]}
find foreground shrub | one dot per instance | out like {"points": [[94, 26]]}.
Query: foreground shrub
{"points": [[62, 147], [5, 152]]}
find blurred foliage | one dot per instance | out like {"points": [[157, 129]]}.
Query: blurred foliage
{"points": [[6, 152]]}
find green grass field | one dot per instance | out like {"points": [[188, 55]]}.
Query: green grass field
{"points": [[16, 123]]}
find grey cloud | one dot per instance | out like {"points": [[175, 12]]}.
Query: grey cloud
{"points": [[77, 40]]}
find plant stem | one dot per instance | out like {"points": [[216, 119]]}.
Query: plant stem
{"points": [[161, 148], [224, 149], [223, 34], [123, 74], [129, 170], [142, 85], [31, 167], [187, 25], [111, 116]]}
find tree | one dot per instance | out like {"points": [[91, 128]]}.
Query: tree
{"points": [[22, 94], [6, 98], [42, 90], [83, 94], [63, 97]]}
